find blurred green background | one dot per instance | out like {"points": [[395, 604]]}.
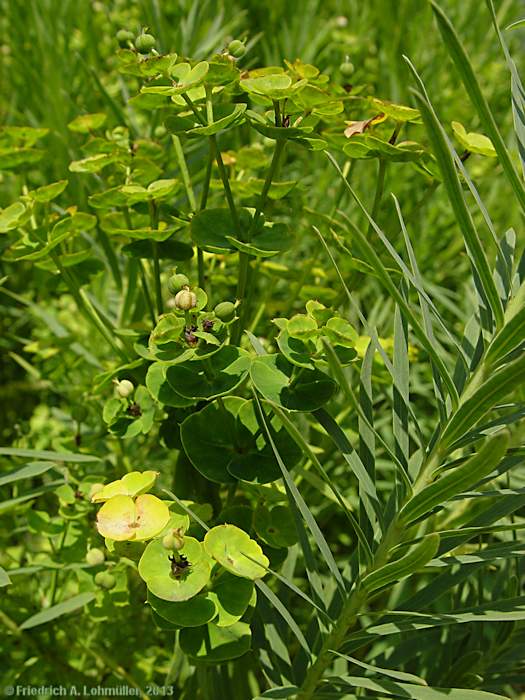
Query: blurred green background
{"points": [[57, 60]]}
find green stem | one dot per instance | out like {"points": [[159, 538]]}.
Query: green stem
{"points": [[85, 307], [205, 189], [143, 278], [220, 165], [111, 257], [183, 166], [147, 295], [355, 602], [129, 296], [226, 185], [380, 184], [154, 220], [244, 281], [156, 270], [277, 110], [54, 575]]}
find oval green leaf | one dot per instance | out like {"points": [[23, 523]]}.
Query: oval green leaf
{"points": [[213, 644], [155, 570], [291, 387], [236, 551], [194, 612]]}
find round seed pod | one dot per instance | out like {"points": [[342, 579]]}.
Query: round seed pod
{"points": [[144, 43], [176, 283], [236, 48], [124, 38], [95, 557], [346, 69], [185, 299], [168, 541], [105, 580], [178, 539], [225, 311], [124, 388]]}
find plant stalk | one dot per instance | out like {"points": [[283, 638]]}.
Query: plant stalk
{"points": [[244, 280], [154, 220], [85, 307]]}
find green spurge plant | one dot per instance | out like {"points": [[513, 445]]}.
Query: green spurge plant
{"points": [[336, 513]]}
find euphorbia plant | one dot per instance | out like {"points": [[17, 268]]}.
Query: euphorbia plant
{"points": [[189, 587], [293, 444]]}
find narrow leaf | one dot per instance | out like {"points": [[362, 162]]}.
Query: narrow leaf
{"points": [[468, 78], [397, 675], [27, 472], [475, 405], [414, 692], [452, 186], [47, 455], [457, 479], [415, 559], [74, 603]]}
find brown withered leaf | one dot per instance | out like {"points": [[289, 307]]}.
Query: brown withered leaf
{"points": [[360, 127]]}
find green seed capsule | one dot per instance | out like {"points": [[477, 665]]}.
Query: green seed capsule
{"points": [[176, 283], [124, 38], [236, 48], [178, 539], [124, 388], [185, 300], [168, 541], [95, 557], [225, 311], [346, 69], [144, 43], [105, 580]]}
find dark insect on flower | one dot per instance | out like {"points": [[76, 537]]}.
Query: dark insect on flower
{"points": [[207, 325], [134, 410], [188, 335], [179, 565], [286, 121]]}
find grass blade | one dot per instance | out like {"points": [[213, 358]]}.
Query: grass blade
{"points": [[441, 150], [401, 393], [464, 68], [67, 606], [373, 259], [370, 498], [303, 508], [414, 692]]}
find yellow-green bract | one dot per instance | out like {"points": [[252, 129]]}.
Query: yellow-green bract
{"points": [[122, 518], [236, 551], [131, 484]]}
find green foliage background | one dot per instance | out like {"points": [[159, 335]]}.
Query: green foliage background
{"points": [[58, 60]]}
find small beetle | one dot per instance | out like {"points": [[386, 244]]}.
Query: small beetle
{"points": [[179, 566], [134, 410]]}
